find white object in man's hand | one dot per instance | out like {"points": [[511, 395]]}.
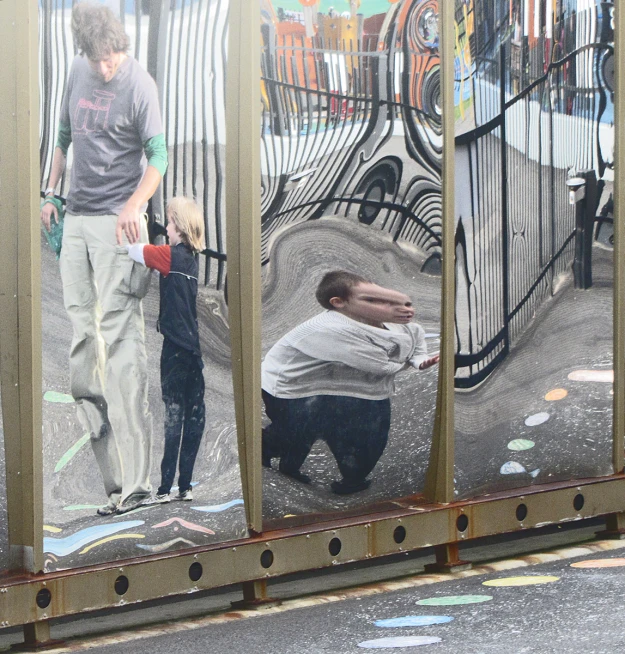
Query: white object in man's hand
{"points": [[135, 252]]}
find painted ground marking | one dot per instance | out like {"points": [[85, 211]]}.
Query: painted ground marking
{"points": [[58, 398], [556, 394], [520, 444], [537, 419], [603, 376], [454, 600], [511, 468], [108, 539], [73, 542], [413, 621], [71, 453], [530, 580], [399, 641], [599, 563]]}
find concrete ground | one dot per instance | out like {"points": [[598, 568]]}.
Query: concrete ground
{"points": [[569, 437]]}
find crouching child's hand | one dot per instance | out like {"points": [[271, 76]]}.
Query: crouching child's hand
{"points": [[428, 363]]}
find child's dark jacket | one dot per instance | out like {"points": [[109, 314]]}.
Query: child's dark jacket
{"points": [[179, 270]]}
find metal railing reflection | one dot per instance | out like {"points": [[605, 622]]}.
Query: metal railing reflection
{"points": [[534, 120], [338, 115]]}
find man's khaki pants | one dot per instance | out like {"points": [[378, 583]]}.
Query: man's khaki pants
{"points": [[102, 291]]}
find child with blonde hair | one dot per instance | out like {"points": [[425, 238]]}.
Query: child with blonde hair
{"points": [[182, 380]]}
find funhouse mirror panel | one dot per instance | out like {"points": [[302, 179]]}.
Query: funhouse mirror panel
{"points": [[351, 251], [133, 418], [4, 527], [534, 242]]}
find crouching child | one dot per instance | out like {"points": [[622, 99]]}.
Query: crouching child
{"points": [[332, 378]]}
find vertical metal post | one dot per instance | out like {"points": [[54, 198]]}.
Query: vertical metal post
{"points": [[505, 269], [585, 212], [439, 481], [20, 302], [243, 106], [275, 101], [157, 40], [619, 238]]}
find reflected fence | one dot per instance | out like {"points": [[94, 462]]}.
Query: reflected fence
{"points": [[338, 118], [517, 233]]}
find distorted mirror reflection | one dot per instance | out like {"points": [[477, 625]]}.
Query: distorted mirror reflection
{"points": [[534, 242], [4, 527], [139, 437], [351, 251]]}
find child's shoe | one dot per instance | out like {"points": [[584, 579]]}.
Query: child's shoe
{"points": [[159, 498], [184, 496]]}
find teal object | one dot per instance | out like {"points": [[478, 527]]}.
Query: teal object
{"points": [[55, 235]]}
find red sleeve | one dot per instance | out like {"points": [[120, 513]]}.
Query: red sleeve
{"points": [[158, 257]]}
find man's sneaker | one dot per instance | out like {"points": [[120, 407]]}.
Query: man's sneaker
{"points": [[159, 498], [107, 509], [184, 496], [133, 502]]}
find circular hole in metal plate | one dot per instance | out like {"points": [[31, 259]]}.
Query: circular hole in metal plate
{"points": [[334, 547], [121, 585], [266, 559], [462, 522], [195, 571], [44, 597], [521, 512], [578, 502], [399, 535]]}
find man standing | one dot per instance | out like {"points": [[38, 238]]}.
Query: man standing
{"points": [[110, 113]]}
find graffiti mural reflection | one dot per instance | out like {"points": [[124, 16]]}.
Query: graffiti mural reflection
{"points": [[534, 252], [139, 428], [351, 250]]}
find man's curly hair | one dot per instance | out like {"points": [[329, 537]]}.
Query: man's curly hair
{"points": [[97, 32]]}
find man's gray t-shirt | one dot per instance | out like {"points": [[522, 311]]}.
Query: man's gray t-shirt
{"points": [[109, 124]]}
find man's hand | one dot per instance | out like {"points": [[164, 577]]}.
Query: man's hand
{"points": [[128, 223], [48, 213], [428, 363]]}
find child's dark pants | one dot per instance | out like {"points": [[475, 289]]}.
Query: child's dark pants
{"points": [[182, 383], [355, 429]]}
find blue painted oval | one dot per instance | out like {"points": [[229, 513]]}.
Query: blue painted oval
{"points": [[413, 621]]}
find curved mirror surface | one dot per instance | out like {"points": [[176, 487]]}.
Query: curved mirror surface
{"points": [[351, 247], [139, 428], [534, 242]]}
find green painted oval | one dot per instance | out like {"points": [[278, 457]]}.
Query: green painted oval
{"points": [[450, 600], [520, 444], [71, 453], [59, 398]]}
